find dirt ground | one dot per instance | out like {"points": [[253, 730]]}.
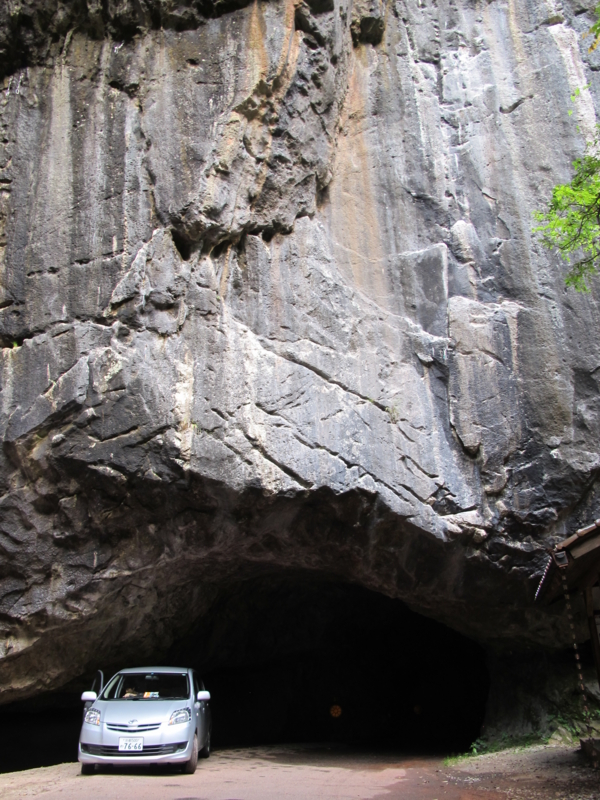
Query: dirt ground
{"points": [[535, 773], [324, 772]]}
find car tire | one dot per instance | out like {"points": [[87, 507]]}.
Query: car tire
{"points": [[88, 769], [205, 752], [190, 766]]}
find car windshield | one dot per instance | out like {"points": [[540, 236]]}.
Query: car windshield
{"points": [[147, 686]]}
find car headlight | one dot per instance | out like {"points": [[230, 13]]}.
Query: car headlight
{"points": [[92, 716], [180, 716]]}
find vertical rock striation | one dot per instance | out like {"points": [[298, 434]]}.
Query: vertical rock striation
{"points": [[270, 300]]}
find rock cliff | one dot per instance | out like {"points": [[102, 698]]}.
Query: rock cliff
{"points": [[270, 301]]}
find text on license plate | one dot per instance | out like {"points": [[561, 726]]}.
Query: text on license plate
{"points": [[128, 743]]}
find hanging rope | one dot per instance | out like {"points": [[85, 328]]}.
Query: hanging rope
{"points": [[576, 649]]}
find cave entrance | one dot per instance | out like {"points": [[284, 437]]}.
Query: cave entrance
{"points": [[294, 658], [290, 658]]}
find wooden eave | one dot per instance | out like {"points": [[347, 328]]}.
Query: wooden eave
{"points": [[577, 559]]}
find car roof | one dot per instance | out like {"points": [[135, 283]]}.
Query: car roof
{"points": [[153, 669]]}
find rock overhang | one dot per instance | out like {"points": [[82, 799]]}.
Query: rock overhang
{"points": [[268, 267]]}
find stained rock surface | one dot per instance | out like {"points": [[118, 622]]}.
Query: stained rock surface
{"points": [[270, 300]]}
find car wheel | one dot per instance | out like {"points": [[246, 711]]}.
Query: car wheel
{"points": [[190, 766], [88, 769], [205, 752]]}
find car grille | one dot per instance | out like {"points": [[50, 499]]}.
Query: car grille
{"points": [[113, 750], [152, 726]]}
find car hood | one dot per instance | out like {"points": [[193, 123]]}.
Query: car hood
{"points": [[138, 712]]}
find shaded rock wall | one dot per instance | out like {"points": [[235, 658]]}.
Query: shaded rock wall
{"points": [[270, 300]]}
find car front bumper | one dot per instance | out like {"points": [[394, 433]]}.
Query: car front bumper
{"points": [[101, 746]]}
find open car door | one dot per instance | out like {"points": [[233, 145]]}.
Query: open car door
{"points": [[97, 686]]}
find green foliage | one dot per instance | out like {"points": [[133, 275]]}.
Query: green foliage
{"points": [[394, 413], [594, 31], [575, 723], [574, 97], [505, 742], [573, 727], [571, 223]]}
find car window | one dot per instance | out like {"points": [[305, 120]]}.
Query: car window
{"points": [[148, 686], [196, 685], [112, 688]]}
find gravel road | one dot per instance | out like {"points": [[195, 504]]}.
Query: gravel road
{"points": [[325, 772]]}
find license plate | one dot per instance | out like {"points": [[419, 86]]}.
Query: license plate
{"points": [[129, 744]]}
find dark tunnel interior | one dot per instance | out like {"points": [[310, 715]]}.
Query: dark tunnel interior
{"points": [[290, 658]]}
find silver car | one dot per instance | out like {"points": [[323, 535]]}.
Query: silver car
{"points": [[147, 715]]}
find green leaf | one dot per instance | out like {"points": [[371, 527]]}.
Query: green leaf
{"points": [[571, 223], [594, 31]]}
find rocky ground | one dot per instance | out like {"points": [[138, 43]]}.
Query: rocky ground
{"points": [[328, 772]]}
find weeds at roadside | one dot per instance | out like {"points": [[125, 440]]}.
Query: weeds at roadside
{"points": [[574, 727], [483, 746]]}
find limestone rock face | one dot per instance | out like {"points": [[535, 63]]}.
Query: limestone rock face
{"points": [[270, 300]]}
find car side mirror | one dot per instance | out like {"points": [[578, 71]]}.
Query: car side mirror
{"points": [[202, 696], [89, 697]]}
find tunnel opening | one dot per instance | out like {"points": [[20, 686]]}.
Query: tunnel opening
{"points": [[293, 658]]}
